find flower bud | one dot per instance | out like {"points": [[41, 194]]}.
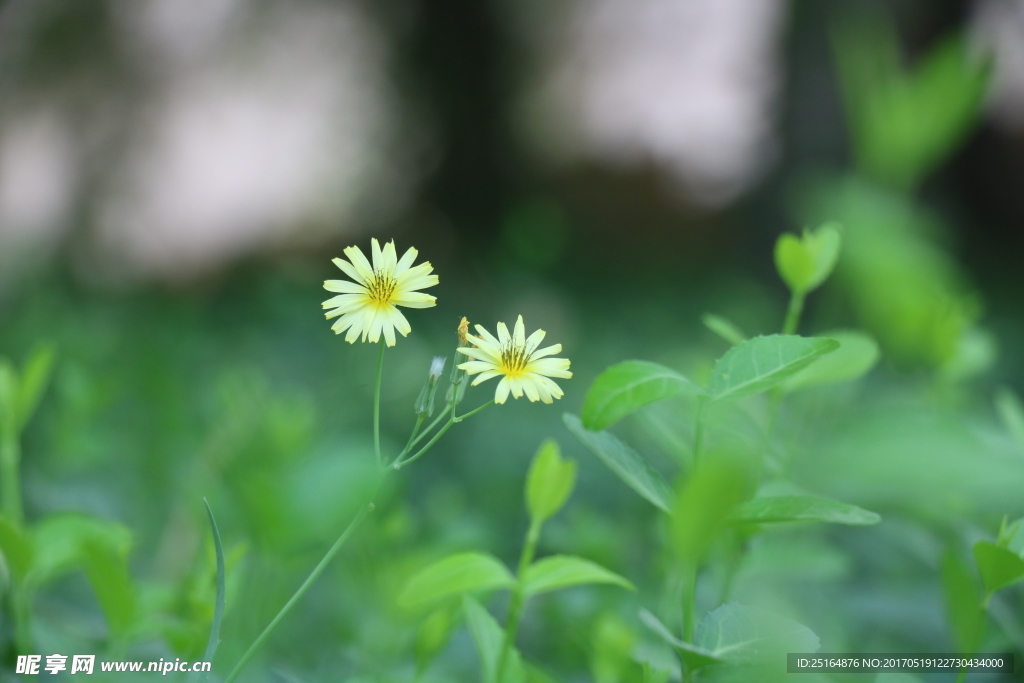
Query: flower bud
{"points": [[425, 401]]}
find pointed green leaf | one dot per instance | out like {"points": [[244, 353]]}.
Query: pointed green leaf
{"points": [[693, 656], [17, 548], [489, 639], [801, 509], [564, 571], [218, 608], [549, 482], [723, 328], [107, 569], [35, 377], [998, 567], [761, 363], [963, 603], [624, 462], [627, 386], [742, 634], [856, 355], [462, 573]]}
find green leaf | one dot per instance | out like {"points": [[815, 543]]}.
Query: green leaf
{"points": [[742, 634], [627, 386], [761, 363], [963, 603], [17, 549], [856, 355], [715, 487], [624, 462], [462, 573], [432, 635], [693, 656], [107, 569], [489, 639], [218, 609], [564, 571], [1011, 412], [805, 262], [549, 482], [35, 377], [801, 509], [62, 543], [723, 328], [998, 567], [8, 398]]}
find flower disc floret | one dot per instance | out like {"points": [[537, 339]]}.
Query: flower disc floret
{"points": [[367, 305], [523, 366]]}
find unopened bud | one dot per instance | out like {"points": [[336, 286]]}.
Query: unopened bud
{"points": [[425, 401], [458, 377]]}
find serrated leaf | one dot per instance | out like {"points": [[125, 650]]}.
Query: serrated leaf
{"points": [[723, 328], [693, 656], [35, 377], [762, 363], [549, 482], [998, 566], [489, 639], [627, 386], [742, 634], [624, 462], [456, 574], [856, 355], [564, 571], [776, 509]]}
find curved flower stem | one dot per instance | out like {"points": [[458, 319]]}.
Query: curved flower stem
{"points": [[515, 608], [422, 435], [796, 307], [313, 576], [376, 404], [447, 425], [415, 430]]}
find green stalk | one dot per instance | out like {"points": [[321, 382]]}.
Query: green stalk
{"points": [[313, 576], [515, 609], [412, 435], [689, 605], [376, 404], [796, 307], [447, 425], [10, 458]]}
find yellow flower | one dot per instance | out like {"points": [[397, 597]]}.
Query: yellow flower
{"points": [[525, 368], [367, 305]]}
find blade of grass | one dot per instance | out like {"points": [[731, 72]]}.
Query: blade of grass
{"points": [[218, 610]]}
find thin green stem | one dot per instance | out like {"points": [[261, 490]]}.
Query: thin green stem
{"points": [[422, 435], [689, 606], [21, 612], [313, 576], [412, 435], [376, 404], [796, 307], [515, 608], [10, 458], [447, 425]]}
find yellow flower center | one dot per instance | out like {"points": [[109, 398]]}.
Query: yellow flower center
{"points": [[513, 360], [381, 287]]}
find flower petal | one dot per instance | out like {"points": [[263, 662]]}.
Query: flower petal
{"points": [[546, 351], [378, 259], [480, 353], [344, 286], [490, 338], [414, 300], [399, 321], [349, 270], [533, 341], [552, 367], [503, 336], [530, 387], [501, 391], [405, 262], [486, 375], [389, 260], [519, 333], [359, 262]]}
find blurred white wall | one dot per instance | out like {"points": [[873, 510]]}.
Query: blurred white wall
{"points": [[690, 85], [998, 31]]}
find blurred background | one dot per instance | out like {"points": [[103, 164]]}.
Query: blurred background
{"points": [[175, 176]]}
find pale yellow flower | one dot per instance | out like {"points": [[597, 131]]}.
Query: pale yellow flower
{"points": [[367, 305], [525, 369]]}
